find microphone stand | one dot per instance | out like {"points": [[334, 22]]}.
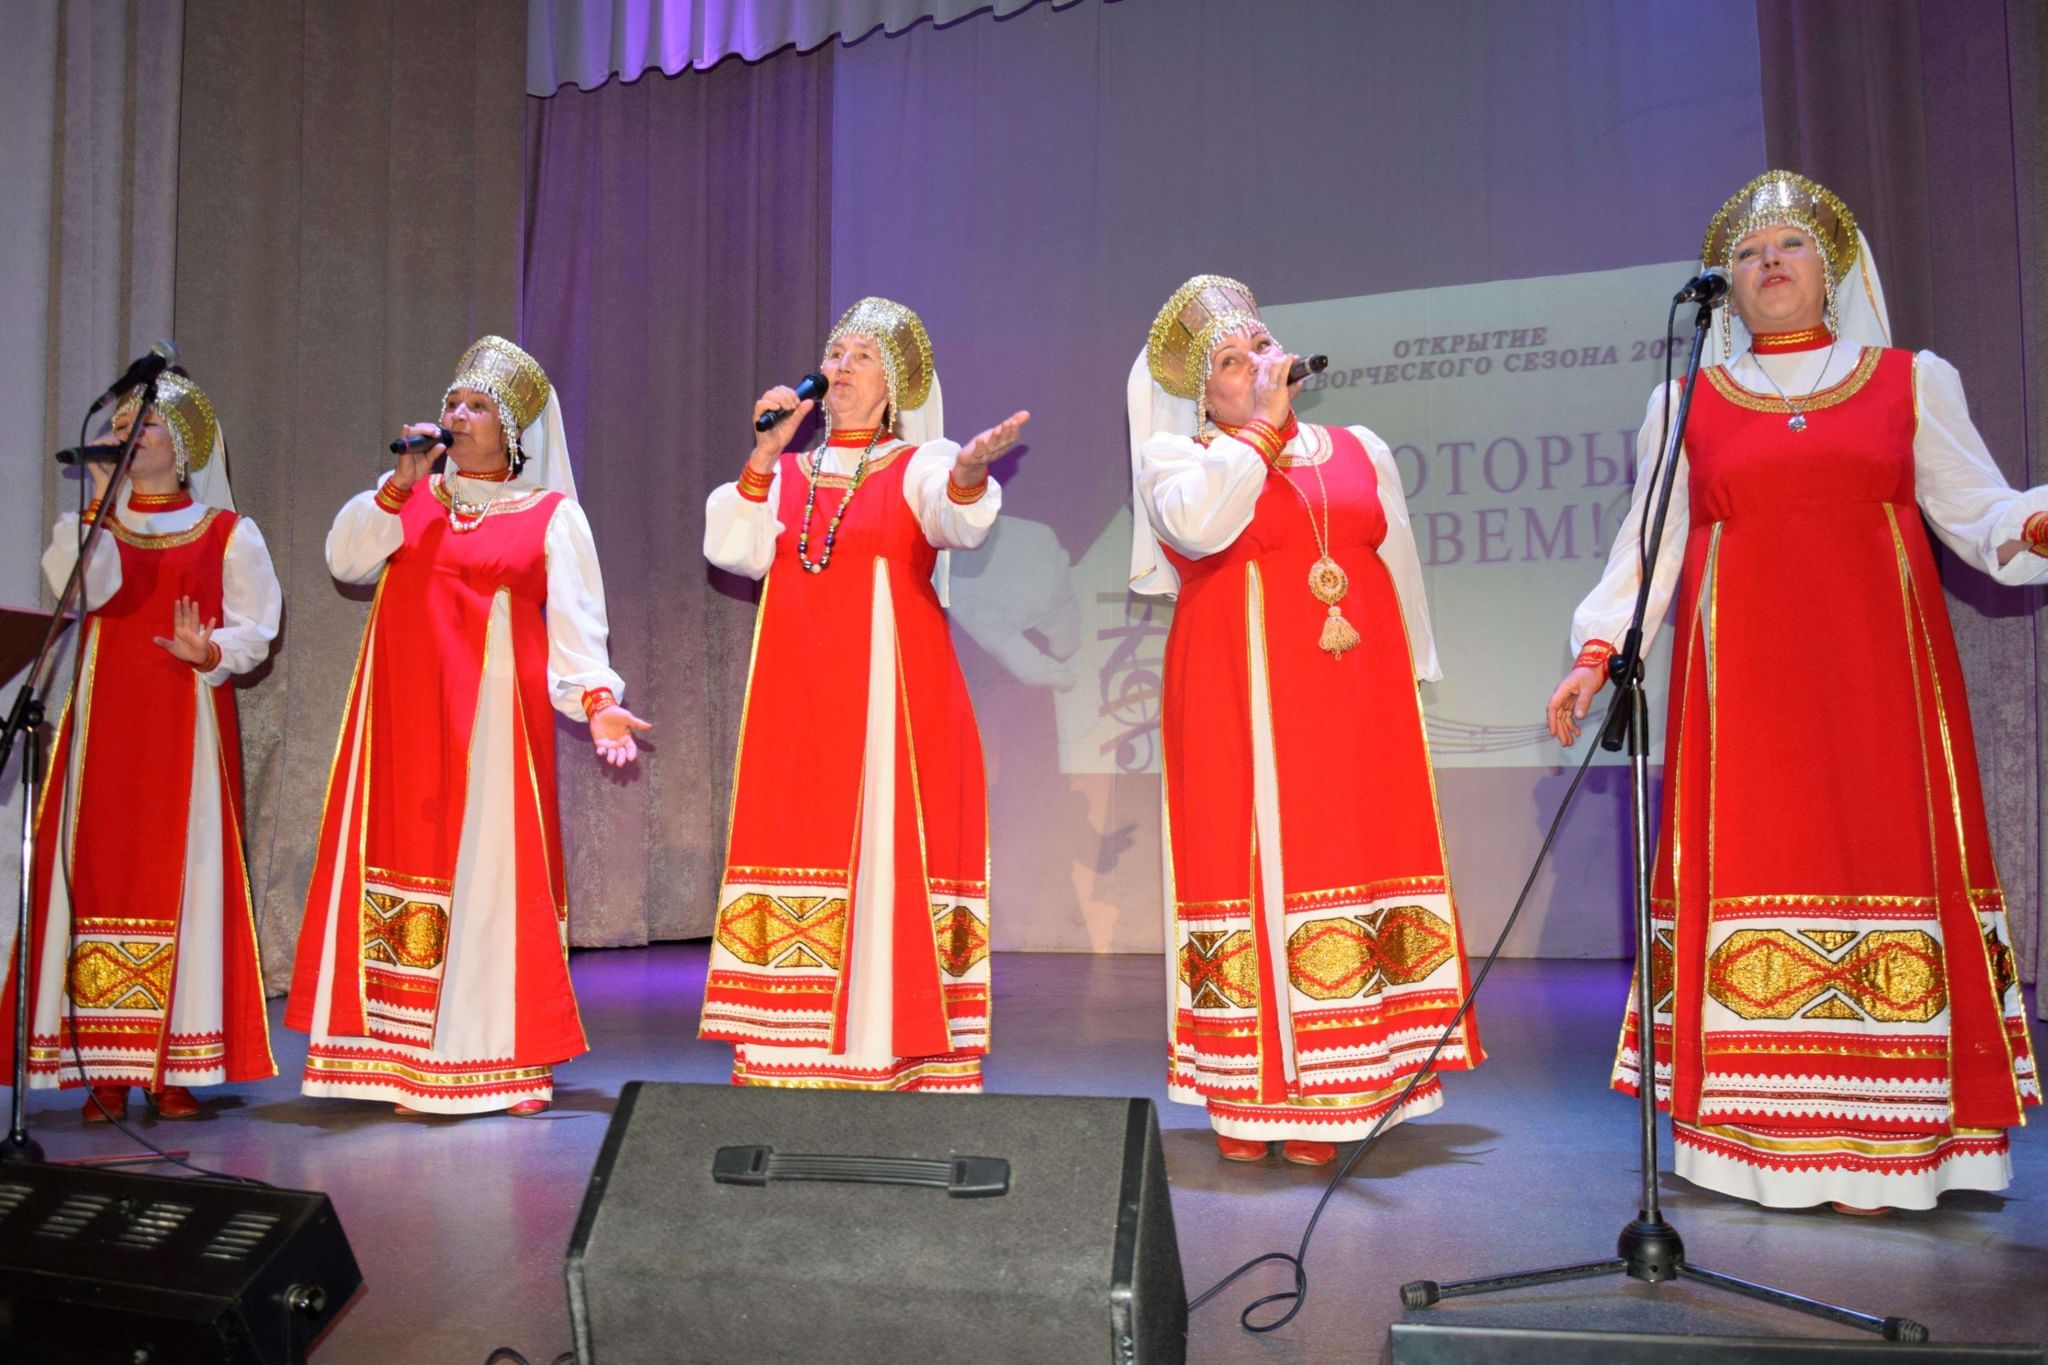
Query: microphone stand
{"points": [[25, 721], [1649, 1249]]}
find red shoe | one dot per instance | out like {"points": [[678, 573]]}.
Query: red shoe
{"points": [[173, 1102], [1239, 1149], [1301, 1153], [106, 1103], [1858, 1211], [406, 1111], [526, 1109]]}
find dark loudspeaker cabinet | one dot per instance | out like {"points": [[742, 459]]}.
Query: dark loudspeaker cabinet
{"points": [[733, 1224], [111, 1266]]}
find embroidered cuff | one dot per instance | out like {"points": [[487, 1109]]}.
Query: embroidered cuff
{"points": [[1263, 437], [391, 497], [965, 497], [212, 660], [1594, 654], [754, 486], [596, 699], [2035, 533], [92, 511]]}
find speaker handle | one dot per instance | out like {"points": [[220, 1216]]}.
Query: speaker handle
{"points": [[961, 1177]]}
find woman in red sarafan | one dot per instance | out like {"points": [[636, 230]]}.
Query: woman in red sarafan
{"points": [[142, 950], [1315, 949], [852, 938], [433, 963], [1837, 1013]]}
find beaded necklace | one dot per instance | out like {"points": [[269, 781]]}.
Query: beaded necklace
{"points": [[860, 473]]}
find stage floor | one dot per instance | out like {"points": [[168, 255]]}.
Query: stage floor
{"points": [[460, 1224]]}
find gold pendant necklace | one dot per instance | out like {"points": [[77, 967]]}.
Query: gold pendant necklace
{"points": [[1797, 421], [1326, 577]]}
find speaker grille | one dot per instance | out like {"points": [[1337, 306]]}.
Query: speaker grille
{"points": [[11, 1195], [149, 1228], [240, 1235], [70, 1217]]}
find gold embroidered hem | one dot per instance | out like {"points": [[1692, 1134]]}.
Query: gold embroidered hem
{"points": [[353, 1069]]}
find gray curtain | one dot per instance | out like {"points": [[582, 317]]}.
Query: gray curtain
{"points": [[348, 220], [1928, 118], [678, 247], [89, 99]]}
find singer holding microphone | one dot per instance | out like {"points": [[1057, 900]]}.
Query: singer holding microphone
{"points": [[852, 937], [432, 966], [143, 965], [1316, 949], [1839, 1018]]}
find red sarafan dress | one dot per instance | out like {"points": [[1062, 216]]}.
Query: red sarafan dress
{"points": [[1316, 944], [852, 938], [1837, 1008], [432, 966], [142, 944]]}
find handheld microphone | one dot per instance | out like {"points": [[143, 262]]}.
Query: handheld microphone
{"points": [[1306, 366], [407, 444], [97, 452], [1709, 288], [161, 357], [810, 386]]}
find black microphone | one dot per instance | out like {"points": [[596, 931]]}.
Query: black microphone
{"points": [[160, 358], [98, 452], [810, 386], [405, 444], [1308, 365], [1709, 287]]}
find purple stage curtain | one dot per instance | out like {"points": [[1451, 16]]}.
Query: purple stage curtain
{"points": [[677, 244], [1929, 120], [590, 41]]}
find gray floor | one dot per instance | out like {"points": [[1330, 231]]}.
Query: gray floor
{"points": [[460, 1224]]}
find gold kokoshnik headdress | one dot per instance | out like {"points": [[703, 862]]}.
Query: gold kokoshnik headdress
{"points": [[187, 413], [1184, 335], [514, 380], [1777, 198], [196, 436], [906, 351]]}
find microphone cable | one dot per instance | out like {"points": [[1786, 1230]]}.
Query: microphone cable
{"points": [[1297, 1260]]}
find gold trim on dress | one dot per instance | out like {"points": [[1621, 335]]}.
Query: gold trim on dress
{"points": [[1916, 1145], [901, 703], [241, 859], [169, 540], [1467, 1039], [518, 502], [876, 464], [1316, 448], [1839, 392], [1911, 590], [425, 1080]]}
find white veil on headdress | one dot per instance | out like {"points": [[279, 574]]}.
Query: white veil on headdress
{"points": [[1152, 411], [1164, 394]]}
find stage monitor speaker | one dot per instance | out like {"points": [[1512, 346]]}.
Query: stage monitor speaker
{"points": [[1415, 1343], [734, 1224], [104, 1266]]}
